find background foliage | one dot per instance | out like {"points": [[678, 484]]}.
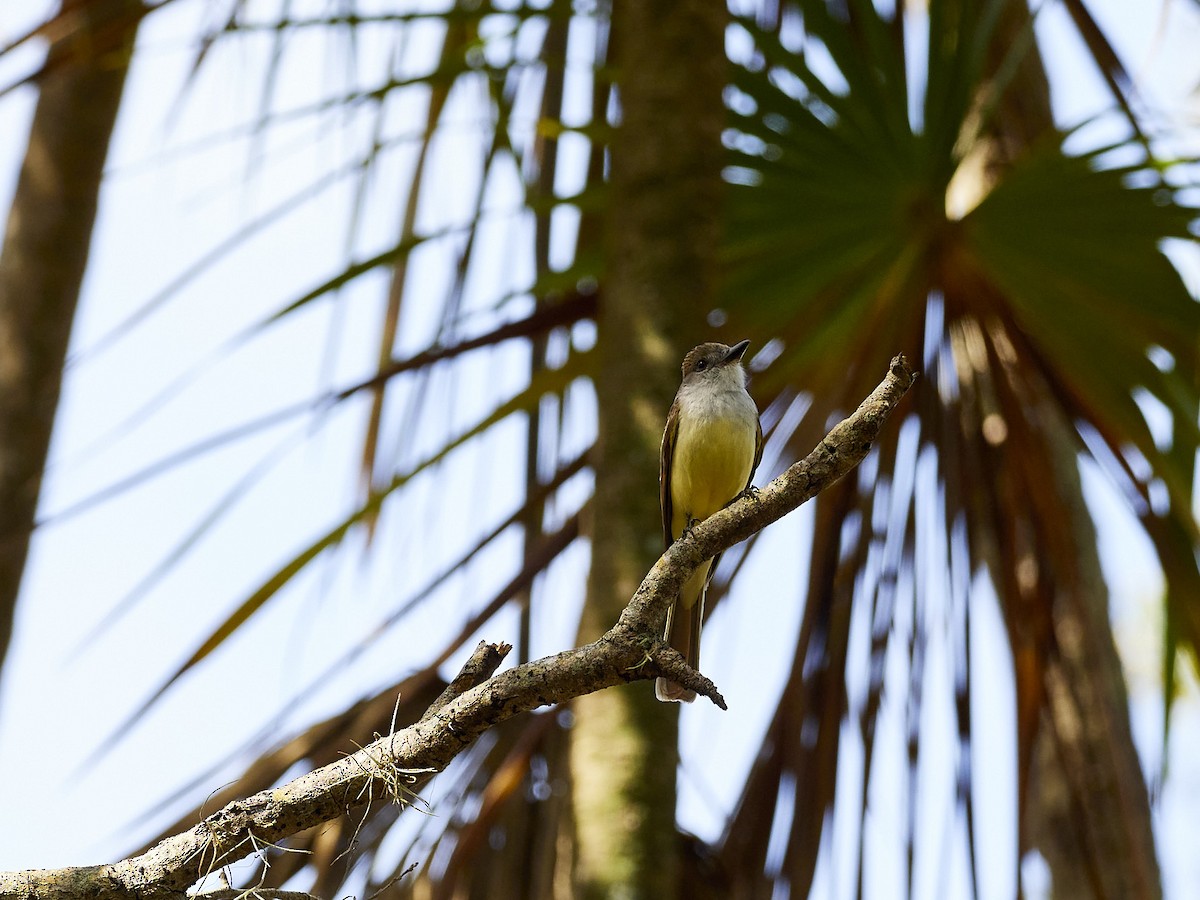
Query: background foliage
{"points": [[401, 404]]}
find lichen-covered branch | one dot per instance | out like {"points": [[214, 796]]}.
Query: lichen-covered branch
{"points": [[386, 770]]}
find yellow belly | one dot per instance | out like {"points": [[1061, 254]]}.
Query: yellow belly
{"points": [[711, 466]]}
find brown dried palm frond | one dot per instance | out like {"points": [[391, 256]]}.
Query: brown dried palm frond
{"points": [[1044, 313]]}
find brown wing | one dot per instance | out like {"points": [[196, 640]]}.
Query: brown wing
{"points": [[758, 448], [666, 454]]}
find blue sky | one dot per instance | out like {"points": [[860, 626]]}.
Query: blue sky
{"points": [[172, 195]]}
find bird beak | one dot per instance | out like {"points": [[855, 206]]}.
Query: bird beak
{"points": [[735, 352]]}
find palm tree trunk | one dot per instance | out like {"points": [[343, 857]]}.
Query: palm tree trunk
{"points": [[45, 253], [1086, 808], [1088, 811], [663, 223]]}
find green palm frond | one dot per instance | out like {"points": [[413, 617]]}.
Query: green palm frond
{"points": [[1048, 320], [1049, 302]]}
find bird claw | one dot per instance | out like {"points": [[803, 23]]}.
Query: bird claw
{"points": [[750, 491]]}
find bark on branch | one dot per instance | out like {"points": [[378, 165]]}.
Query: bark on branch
{"points": [[388, 769]]}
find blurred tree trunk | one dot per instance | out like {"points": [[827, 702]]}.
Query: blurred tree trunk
{"points": [[1086, 806], [45, 253], [1088, 809], [662, 230]]}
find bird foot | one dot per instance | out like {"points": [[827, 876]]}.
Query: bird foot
{"points": [[750, 491]]}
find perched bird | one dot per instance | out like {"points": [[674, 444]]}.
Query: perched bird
{"points": [[710, 449]]}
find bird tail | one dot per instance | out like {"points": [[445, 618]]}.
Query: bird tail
{"points": [[683, 634]]}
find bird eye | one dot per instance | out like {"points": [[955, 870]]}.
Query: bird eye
{"points": [[701, 365]]}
